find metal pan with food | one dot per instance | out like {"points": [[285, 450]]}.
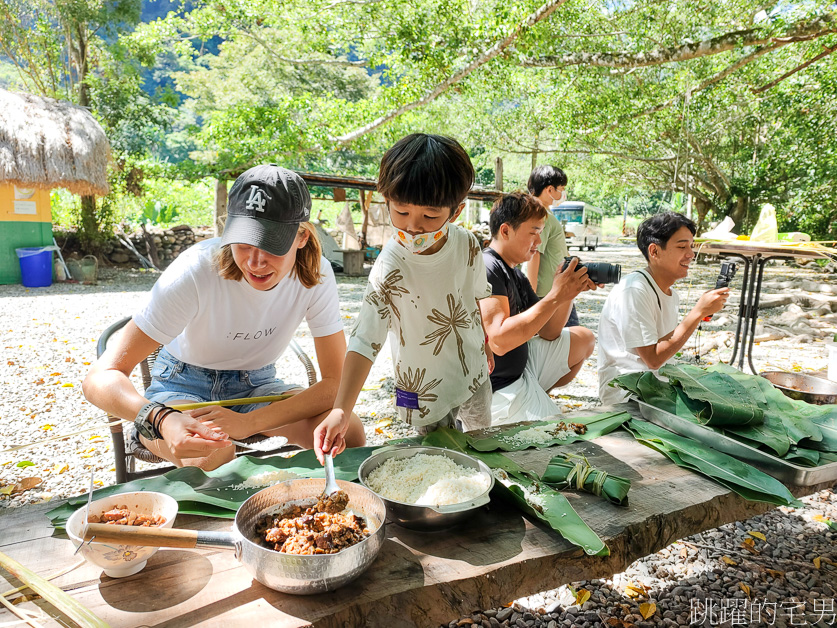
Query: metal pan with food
{"points": [[299, 574]]}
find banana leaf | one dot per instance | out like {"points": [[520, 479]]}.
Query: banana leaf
{"points": [[786, 422], [827, 457], [567, 471], [737, 476], [660, 394], [210, 493], [505, 440], [629, 382], [769, 435], [802, 457], [827, 425], [726, 402], [551, 507], [513, 483], [795, 417]]}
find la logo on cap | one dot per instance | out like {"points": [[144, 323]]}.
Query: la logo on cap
{"points": [[257, 199]]}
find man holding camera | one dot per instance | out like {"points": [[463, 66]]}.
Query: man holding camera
{"points": [[533, 352], [638, 328]]}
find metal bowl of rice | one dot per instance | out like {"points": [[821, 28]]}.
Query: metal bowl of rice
{"points": [[451, 488]]}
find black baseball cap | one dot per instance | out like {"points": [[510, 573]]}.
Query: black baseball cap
{"points": [[266, 205]]}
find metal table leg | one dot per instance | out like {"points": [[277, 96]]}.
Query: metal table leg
{"points": [[747, 312], [742, 307], [754, 313]]}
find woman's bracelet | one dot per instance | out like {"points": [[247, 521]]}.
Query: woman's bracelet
{"points": [[157, 421]]}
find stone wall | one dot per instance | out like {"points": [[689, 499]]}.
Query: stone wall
{"points": [[169, 244]]}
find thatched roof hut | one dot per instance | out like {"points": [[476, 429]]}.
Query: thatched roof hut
{"points": [[48, 143]]}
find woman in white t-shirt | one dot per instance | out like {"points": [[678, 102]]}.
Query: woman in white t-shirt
{"points": [[224, 311]]}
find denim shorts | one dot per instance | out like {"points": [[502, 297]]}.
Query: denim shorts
{"points": [[172, 379]]}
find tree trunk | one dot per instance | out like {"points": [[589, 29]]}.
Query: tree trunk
{"points": [[740, 211], [535, 150], [89, 225], [365, 201], [151, 246], [702, 212], [89, 235], [220, 206], [498, 174]]}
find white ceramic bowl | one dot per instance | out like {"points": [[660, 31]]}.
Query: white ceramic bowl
{"points": [[119, 561]]}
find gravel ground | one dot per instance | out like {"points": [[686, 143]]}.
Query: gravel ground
{"points": [[49, 335]]}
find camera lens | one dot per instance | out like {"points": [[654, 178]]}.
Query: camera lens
{"points": [[603, 272]]}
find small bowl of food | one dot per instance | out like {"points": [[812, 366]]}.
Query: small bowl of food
{"points": [[427, 488], [142, 508]]}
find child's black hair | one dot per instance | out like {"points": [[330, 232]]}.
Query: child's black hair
{"points": [[426, 170]]}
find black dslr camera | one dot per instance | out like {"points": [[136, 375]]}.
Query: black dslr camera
{"points": [[598, 272], [728, 269]]}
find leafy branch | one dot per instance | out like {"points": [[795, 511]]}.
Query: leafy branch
{"points": [[541, 14], [805, 30]]}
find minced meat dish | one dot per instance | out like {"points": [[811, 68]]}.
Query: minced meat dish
{"points": [[319, 529], [122, 516]]}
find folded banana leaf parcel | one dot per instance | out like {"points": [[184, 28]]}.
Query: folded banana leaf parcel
{"points": [[744, 407]]}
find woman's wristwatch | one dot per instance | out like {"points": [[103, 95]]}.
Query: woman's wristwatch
{"points": [[144, 424]]}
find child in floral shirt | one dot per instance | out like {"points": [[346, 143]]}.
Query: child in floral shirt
{"points": [[423, 292]]}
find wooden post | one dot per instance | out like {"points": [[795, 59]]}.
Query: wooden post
{"points": [[498, 174], [365, 201], [220, 206]]}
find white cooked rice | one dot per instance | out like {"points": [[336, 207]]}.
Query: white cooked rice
{"points": [[427, 480], [539, 435], [268, 478]]}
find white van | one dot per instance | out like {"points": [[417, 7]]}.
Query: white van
{"points": [[582, 224]]}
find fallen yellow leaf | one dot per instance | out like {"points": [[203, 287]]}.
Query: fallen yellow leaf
{"points": [[817, 562], [728, 560], [7, 490], [757, 535], [25, 484], [59, 468], [744, 588], [647, 609], [581, 596], [775, 573], [67, 385], [633, 591], [47, 427], [384, 423]]}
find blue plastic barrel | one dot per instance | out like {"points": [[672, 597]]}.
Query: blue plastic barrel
{"points": [[35, 266]]}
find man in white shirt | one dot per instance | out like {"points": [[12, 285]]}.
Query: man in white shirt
{"points": [[638, 328]]}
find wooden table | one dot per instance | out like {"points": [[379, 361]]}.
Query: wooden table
{"points": [[418, 579]]}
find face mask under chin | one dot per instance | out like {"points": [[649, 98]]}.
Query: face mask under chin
{"points": [[421, 242]]}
